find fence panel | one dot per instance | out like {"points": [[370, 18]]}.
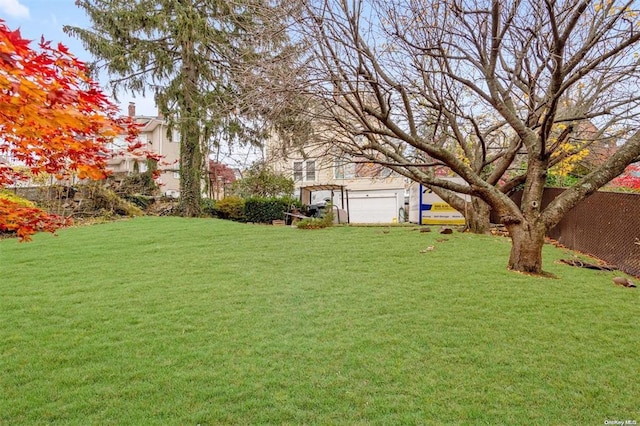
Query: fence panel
{"points": [[605, 225]]}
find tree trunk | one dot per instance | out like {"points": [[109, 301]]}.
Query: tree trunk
{"points": [[527, 240], [478, 216], [190, 171], [190, 152], [527, 233], [476, 213]]}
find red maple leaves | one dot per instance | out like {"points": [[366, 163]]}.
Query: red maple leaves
{"points": [[53, 119], [629, 179]]}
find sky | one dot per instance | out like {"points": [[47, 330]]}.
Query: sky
{"points": [[37, 18]]}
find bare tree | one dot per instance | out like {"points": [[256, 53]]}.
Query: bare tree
{"points": [[471, 85]]}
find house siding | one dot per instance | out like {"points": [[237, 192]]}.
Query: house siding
{"points": [[382, 196], [153, 135]]}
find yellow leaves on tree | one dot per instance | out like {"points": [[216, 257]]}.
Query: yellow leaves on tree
{"points": [[570, 153], [568, 164]]}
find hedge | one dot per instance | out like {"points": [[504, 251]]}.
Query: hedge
{"points": [[231, 207], [265, 210]]}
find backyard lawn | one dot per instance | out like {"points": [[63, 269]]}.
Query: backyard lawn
{"points": [[201, 321]]}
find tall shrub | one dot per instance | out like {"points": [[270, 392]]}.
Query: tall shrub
{"points": [[231, 208], [267, 209]]}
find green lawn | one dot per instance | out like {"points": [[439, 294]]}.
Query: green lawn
{"points": [[200, 321]]}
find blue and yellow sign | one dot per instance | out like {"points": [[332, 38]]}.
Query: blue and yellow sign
{"points": [[434, 211]]}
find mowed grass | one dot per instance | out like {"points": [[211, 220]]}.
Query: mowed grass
{"points": [[200, 321]]}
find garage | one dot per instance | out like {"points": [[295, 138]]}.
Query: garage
{"points": [[372, 207]]}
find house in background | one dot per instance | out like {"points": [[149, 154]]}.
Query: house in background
{"points": [[153, 135], [375, 194]]}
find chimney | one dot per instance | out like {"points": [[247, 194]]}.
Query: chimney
{"points": [[132, 109], [160, 115]]}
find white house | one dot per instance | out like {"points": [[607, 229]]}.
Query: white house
{"points": [[375, 194], [153, 135]]}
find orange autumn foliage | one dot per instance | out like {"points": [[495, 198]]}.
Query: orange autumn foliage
{"points": [[53, 119], [27, 220]]}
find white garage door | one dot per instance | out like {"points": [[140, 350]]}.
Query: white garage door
{"points": [[373, 209]]}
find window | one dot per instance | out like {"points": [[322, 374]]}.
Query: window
{"points": [[311, 170], [175, 136], [176, 175], [297, 170], [117, 144], [304, 171], [343, 169]]}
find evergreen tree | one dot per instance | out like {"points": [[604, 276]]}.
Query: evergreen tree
{"points": [[190, 54]]}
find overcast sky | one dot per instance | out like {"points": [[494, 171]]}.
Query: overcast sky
{"points": [[37, 18]]}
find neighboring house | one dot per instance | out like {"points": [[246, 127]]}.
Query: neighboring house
{"points": [[375, 194], [153, 135]]}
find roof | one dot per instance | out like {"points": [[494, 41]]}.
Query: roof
{"points": [[325, 187], [149, 123]]}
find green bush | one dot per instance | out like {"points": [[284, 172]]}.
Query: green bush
{"points": [[265, 210], [318, 222], [208, 207], [557, 181], [230, 208]]}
